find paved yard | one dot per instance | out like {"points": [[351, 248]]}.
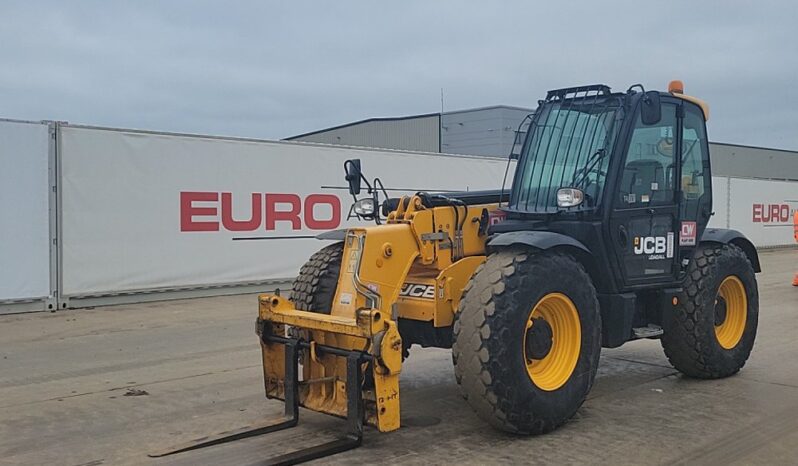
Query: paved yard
{"points": [[108, 385]]}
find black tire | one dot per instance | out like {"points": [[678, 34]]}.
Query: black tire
{"points": [[456, 329], [314, 288], [689, 341], [489, 330]]}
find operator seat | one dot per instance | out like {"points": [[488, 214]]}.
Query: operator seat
{"points": [[644, 177]]}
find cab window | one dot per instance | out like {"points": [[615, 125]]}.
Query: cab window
{"points": [[649, 171], [695, 182]]}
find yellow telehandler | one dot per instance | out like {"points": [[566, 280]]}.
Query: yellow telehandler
{"points": [[601, 239]]}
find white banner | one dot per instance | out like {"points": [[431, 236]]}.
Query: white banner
{"points": [[763, 210], [145, 211], [720, 193], [24, 211]]}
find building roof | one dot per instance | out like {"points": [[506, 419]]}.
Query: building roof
{"points": [[359, 122], [490, 107], [408, 117]]}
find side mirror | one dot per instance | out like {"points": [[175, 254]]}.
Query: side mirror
{"points": [[650, 108], [353, 176]]}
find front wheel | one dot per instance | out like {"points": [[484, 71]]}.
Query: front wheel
{"points": [[527, 339], [711, 332], [314, 288]]}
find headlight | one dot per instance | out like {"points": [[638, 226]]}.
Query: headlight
{"points": [[365, 207], [569, 197]]}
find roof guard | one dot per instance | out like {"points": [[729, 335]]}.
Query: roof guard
{"points": [[578, 91]]}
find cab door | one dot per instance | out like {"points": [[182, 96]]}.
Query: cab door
{"points": [[695, 200], [645, 212]]}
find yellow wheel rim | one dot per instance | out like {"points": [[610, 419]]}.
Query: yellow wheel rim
{"points": [[730, 331], [553, 371]]}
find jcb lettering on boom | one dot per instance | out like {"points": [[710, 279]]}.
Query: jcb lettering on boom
{"points": [[413, 290]]}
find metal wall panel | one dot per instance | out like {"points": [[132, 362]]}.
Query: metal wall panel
{"points": [[488, 131], [753, 162], [413, 134]]}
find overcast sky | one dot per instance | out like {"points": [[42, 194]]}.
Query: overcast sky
{"points": [[272, 70]]}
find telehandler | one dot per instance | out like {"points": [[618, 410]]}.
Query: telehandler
{"points": [[601, 239]]}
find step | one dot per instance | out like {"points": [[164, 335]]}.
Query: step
{"points": [[649, 331]]}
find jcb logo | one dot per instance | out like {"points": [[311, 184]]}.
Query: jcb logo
{"points": [[650, 244], [413, 290]]}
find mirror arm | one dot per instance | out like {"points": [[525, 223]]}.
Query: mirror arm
{"points": [[378, 186], [369, 188]]}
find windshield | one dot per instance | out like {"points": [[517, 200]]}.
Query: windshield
{"points": [[569, 145]]}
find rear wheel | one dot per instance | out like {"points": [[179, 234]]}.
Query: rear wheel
{"points": [[711, 332], [527, 340]]}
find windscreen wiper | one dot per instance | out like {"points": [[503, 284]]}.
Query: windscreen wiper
{"points": [[581, 175]]}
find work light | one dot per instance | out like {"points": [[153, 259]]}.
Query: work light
{"points": [[569, 197], [365, 207]]}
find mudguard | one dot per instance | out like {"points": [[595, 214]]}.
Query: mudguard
{"points": [[537, 239], [726, 236], [333, 235]]}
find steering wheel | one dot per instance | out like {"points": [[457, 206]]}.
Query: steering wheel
{"points": [[584, 172]]}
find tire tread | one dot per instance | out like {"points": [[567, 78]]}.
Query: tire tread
{"points": [[480, 358], [686, 342], [314, 288]]}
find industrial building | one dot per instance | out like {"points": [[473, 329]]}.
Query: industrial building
{"points": [[488, 131], [491, 131]]}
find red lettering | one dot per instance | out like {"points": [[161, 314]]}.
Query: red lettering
{"points": [[771, 213], [241, 225], [784, 213], [497, 216], [774, 212], [273, 215], [322, 199], [188, 211], [266, 210]]}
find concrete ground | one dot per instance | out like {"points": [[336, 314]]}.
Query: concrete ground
{"points": [[108, 385]]}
